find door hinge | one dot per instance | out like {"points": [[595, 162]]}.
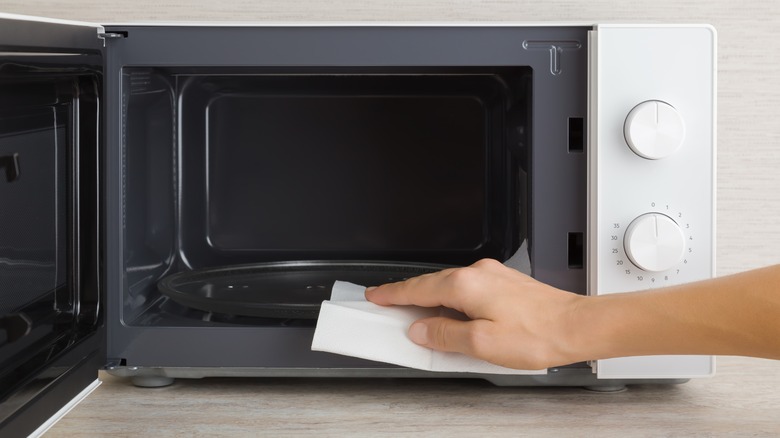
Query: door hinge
{"points": [[111, 36]]}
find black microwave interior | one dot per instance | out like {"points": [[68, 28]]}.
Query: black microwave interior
{"points": [[269, 168]]}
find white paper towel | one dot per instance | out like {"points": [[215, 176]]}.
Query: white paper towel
{"points": [[352, 326]]}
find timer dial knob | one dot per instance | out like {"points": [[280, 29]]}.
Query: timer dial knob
{"points": [[654, 242], [654, 129]]}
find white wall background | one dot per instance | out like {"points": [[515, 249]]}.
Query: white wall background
{"points": [[749, 76]]}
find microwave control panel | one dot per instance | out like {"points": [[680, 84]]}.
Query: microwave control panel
{"points": [[651, 170]]}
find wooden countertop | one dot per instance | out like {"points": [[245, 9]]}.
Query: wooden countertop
{"points": [[742, 399]]}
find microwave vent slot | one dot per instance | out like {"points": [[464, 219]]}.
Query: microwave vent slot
{"points": [[576, 251], [576, 134]]}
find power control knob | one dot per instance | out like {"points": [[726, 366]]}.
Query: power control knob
{"points": [[654, 242], [654, 129]]}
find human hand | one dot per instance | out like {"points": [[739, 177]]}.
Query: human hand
{"points": [[515, 321]]}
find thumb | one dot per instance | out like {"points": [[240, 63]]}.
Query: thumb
{"points": [[445, 334]]}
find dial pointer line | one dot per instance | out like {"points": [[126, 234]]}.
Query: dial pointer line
{"points": [[655, 222]]}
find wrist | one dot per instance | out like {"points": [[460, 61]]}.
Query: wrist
{"points": [[594, 327]]}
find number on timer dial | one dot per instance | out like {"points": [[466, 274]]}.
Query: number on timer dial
{"points": [[654, 242]]}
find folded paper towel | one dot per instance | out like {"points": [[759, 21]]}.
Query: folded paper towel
{"points": [[352, 326]]}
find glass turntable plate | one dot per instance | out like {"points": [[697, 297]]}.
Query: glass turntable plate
{"points": [[279, 290]]}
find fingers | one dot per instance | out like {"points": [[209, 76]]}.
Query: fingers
{"points": [[482, 339], [431, 290], [461, 289], [445, 334], [425, 290], [507, 309]]}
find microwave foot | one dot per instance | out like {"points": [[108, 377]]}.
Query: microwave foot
{"points": [[151, 381], [606, 388]]}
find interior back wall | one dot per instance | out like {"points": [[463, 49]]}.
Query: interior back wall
{"points": [[748, 76]]}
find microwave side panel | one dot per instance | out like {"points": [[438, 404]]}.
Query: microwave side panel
{"points": [[52, 331], [647, 82]]}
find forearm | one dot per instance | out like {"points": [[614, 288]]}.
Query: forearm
{"points": [[734, 315]]}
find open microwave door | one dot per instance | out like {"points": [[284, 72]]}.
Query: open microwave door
{"points": [[52, 337]]}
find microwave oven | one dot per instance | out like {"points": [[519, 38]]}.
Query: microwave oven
{"points": [[177, 199]]}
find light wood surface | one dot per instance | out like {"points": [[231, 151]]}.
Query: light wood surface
{"points": [[741, 400]]}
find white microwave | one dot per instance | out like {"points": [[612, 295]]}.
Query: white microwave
{"points": [[177, 199]]}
